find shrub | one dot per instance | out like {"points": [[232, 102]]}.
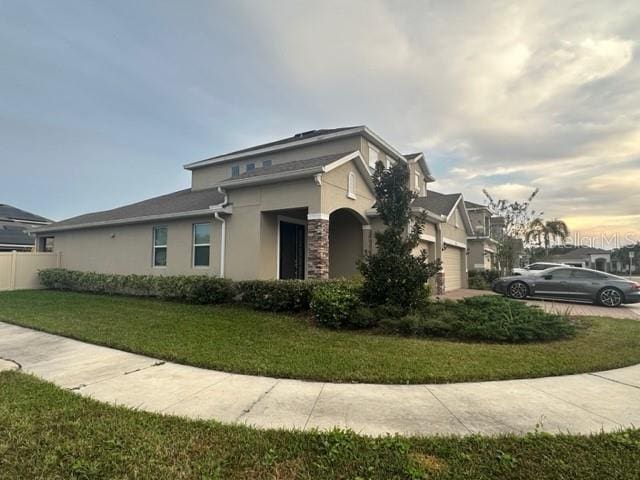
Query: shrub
{"points": [[482, 279], [498, 318], [487, 318], [278, 295], [199, 289], [338, 305], [393, 274]]}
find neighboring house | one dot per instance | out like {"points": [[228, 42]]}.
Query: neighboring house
{"points": [[483, 242], [300, 207], [15, 229], [585, 257]]}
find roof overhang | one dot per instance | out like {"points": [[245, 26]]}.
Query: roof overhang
{"points": [[128, 221], [431, 217], [303, 173], [362, 130], [17, 245]]}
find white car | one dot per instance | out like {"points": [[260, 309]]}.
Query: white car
{"points": [[536, 266]]}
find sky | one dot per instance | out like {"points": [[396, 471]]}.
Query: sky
{"points": [[101, 103]]}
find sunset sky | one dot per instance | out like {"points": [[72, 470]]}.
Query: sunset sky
{"points": [[102, 102]]}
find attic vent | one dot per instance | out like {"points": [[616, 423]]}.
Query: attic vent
{"points": [[304, 134]]}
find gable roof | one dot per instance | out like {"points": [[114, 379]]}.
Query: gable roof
{"points": [[438, 203], [474, 206], [298, 140], [419, 158], [10, 213], [173, 205]]}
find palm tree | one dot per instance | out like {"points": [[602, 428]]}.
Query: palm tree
{"points": [[543, 231], [558, 229]]}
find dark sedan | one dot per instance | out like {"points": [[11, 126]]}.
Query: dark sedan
{"points": [[571, 283]]}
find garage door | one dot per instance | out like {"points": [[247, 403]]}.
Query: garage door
{"points": [[452, 267]]}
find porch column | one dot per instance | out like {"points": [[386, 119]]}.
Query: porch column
{"points": [[318, 246]]}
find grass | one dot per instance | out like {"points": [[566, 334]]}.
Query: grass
{"points": [[236, 339], [46, 432]]}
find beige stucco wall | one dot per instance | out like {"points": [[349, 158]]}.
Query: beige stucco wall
{"points": [[454, 229], [345, 244], [127, 249], [477, 259], [335, 187]]}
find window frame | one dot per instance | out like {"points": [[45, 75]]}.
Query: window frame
{"points": [[194, 245], [252, 165], [351, 185], [234, 169], [372, 165], [267, 163], [155, 247]]}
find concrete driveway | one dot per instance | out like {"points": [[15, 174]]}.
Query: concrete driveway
{"points": [[557, 306], [575, 403]]}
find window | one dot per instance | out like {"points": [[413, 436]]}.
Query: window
{"points": [[46, 244], [201, 244], [373, 156], [251, 166], [587, 275], [235, 171], [417, 182], [266, 163], [351, 185], [160, 246]]}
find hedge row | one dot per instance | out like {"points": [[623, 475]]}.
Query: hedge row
{"points": [[198, 289], [271, 295]]}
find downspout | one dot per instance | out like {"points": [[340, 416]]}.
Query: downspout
{"points": [[223, 231]]}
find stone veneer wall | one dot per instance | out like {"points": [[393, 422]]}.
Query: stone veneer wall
{"points": [[318, 245]]}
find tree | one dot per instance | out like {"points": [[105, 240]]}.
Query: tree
{"points": [[545, 232], [394, 275], [517, 216]]}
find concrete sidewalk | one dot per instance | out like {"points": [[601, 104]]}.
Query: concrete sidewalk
{"points": [[576, 403]]}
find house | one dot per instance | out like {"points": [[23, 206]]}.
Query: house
{"points": [[482, 244], [299, 207], [585, 257], [15, 229]]}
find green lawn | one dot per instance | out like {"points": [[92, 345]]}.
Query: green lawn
{"points": [[240, 340], [46, 432]]}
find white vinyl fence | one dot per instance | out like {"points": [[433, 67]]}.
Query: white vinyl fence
{"points": [[19, 270]]}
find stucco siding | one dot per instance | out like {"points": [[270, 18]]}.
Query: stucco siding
{"points": [[127, 249], [335, 188]]}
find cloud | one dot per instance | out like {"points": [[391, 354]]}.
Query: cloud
{"points": [[507, 95]]}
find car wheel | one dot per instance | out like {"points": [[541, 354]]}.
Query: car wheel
{"points": [[610, 297], [518, 290]]}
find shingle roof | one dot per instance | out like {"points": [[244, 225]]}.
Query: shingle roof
{"points": [[7, 212], [181, 201], [294, 138], [474, 205], [292, 166], [580, 251], [438, 203], [14, 234]]}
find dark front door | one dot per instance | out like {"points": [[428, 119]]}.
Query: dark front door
{"points": [[292, 248]]}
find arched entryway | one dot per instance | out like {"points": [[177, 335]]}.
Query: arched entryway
{"points": [[345, 242]]}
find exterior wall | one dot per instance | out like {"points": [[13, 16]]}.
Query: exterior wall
{"points": [[212, 175], [478, 258], [127, 249], [335, 188], [345, 244], [252, 235], [451, 231]]}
